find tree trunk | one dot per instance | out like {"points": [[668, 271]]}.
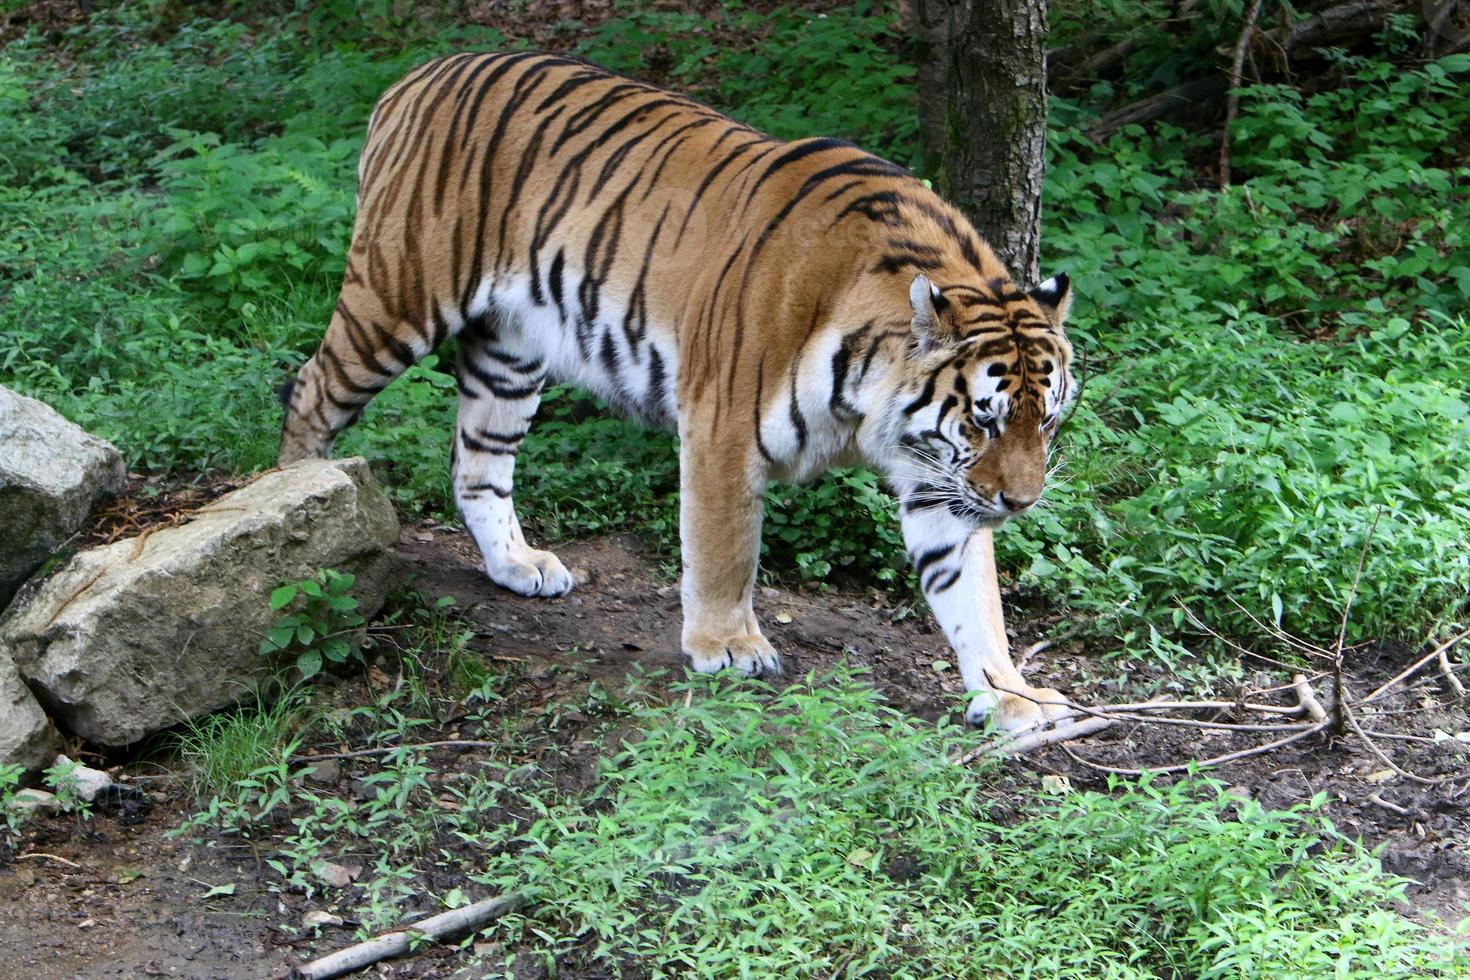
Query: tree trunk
{"points": [[982, 102]]}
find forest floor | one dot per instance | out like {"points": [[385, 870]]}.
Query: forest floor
{"points": [[118, 896]]}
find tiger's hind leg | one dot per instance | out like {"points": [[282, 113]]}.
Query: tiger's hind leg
{"points": [[500, 379], [366, 346]]}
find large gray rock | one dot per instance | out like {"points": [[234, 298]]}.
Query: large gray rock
{"points": [[26, 735], [141, 634], [51, 473]]}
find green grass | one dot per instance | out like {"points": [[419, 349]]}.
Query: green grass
{"points": [[1270, 367], [220, 752], [817, 831]]}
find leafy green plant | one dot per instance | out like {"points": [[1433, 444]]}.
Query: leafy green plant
{"points": [[62, 780], [740, 820], [13, 816], [321, 629]]}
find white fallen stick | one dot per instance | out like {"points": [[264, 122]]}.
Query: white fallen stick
{"points": [[1308, 698], [436, 927], [1031, 741]]}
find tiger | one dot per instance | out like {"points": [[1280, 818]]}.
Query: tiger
{"points": [[784, 307]]}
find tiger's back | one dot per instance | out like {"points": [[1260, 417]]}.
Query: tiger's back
{"points": [[784, 305]]}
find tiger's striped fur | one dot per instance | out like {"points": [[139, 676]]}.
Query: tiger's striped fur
{"points": [[786, 307]]}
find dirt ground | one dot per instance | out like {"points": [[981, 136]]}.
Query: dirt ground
{"points": [[116, 897]]}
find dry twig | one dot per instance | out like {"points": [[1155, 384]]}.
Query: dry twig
{"points": [[43, 856], [1232, 103], [452, 743]]}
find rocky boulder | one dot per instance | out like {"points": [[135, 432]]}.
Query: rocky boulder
{"points": [[26, 736], [51, 473], [146, 632]]}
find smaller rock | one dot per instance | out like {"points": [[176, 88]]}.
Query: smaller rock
{"points": [[34, 801], [317, 919], [333, 874], [27, 737], [326, 772], [51, 473], [83, 780], [580, 577]]}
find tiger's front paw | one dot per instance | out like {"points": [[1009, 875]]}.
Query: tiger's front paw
{"points": [[749, 653], [1015, 713], [529, 572]]}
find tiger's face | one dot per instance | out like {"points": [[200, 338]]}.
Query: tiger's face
{"points": [[988, 381]]}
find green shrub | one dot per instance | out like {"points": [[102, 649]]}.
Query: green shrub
{"points": [[816, 831], [322, 627]]}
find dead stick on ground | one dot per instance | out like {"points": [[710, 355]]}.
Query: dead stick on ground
{"points": [[443, 926], [1449, 671], [1339, 689], [453, 743], [1384, 758], [1232, 104], [1218, 760], [1387, 685], [1378, 799], [1047, 736], [42, 856], [1307, 698]]}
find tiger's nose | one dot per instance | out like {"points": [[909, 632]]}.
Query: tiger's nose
{"points": [[1016, 504]]}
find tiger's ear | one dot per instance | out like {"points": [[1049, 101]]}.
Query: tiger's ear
{"points": [[1055, 298], [927, 302]]}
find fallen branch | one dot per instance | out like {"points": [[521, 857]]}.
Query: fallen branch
{"points": [[1218, 760], [1339, 658], [1232, 102], [1384, 758], [1393, 681], [446, 925], [43, 856], [1030, 741], [1356, 18], [1071, 726], [1378, 799], [1307, 699], [453, 743], [1448, 671]]}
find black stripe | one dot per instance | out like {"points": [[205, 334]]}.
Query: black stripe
{"points": [[941, 581], [799, 151], [498, 491], [925, 396], [927, 558]]}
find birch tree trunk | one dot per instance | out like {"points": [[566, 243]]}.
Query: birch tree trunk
{"points": [[982, 102]]}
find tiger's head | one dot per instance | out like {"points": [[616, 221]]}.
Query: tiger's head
{"points": [[986, 381]]}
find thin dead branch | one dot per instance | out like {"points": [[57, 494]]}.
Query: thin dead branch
{"points": [[1218, 760], [1384, 758], [1307, 699], [1232, 103], [1408, 671], [446, 925], [1339, 690], [453, 743], [1379, 800], [43, 856], [1447, 671]]}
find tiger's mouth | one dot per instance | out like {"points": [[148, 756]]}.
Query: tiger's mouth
{"points": [[977, 517]]}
